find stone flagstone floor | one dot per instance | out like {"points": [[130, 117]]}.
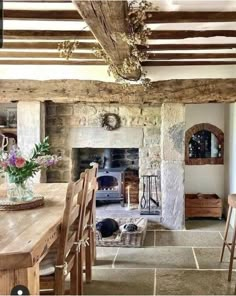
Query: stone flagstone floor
{"points": [[170, 263]]}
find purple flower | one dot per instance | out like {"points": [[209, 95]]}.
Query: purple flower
{"points": [[12, 159]]}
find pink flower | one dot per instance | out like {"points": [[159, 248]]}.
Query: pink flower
{"points": [[20, 162], [4, 164]]}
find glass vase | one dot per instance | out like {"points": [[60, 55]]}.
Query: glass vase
{"points": [[19, 191]]}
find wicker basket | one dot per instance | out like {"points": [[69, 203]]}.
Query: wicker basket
{"points": [[127, 239]]}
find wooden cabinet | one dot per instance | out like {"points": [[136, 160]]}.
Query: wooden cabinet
{"points": [[203, 205]]}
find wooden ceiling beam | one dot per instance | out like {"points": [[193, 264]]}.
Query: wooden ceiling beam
{"points": [[38, 1], [107, 20], [156, 16], [186, 91], [115, 41], [187, 63], [182, 34], [183, 56], [51, 62], [45, 45], [47, 35], [190, 16], [42, 15], [209, 46], [91, 45], [44, 55], [100, 62]]}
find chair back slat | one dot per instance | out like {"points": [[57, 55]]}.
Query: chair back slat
{"points": [[70, 242], [69, 231], [74, 214]]}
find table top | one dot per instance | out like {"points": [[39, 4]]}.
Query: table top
{"points": [[26, 235]]}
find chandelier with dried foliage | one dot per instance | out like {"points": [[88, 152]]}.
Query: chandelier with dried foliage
{"points": [[137, 37]]}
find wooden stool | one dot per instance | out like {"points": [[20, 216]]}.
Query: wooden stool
{"points": [[230, 246]]}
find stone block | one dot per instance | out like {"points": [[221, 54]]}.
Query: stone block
{"points": [[151, 111], [96, 137], [66, 176], [51, 109], [129, 111], [54, 176], [56, 141], [84, 109], [173, 131], [64, 109], [152, 135], [172, 186]]}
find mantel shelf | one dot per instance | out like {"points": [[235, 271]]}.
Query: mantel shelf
{"points": [[12, 130]]}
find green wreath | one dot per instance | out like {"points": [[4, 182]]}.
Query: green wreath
{"points": [[110, 121]]}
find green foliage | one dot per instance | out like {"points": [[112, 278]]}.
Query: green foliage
{"points": [[41, 149], [19, 175]]}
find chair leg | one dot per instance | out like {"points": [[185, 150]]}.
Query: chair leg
{"points": [[226, 232], [80, 271], [59, 282], [232, 254], [88, 261], [93, 247], [74, 277]]}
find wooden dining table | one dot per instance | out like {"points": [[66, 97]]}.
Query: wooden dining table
{"points": [[26, 235]]}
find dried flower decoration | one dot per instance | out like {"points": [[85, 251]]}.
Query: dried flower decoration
{"points": [[138, 35]]}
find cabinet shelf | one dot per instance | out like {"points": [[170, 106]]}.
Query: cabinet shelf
{"points": [[11, 130]]}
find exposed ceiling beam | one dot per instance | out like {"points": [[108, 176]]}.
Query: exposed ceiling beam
{"points": [[41, 34], [53, 15], [91, 45], [152, 47], [190, 16], [43, 55], [107, 20], [183, 56], [50, 62], [182, 34], [187, 63], [22, 61], [45, 45], [156, 16], [169, 91], [115, 42], [37, 1]]}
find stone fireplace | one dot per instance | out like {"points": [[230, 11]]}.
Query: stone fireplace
{"points": [[155, 132], [118, 169]]}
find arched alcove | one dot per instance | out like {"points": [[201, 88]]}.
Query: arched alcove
{"points": [[204, 144]]}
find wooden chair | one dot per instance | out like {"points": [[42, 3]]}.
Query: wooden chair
{"points": [[230, 245], [64, 255], [87, 253]]}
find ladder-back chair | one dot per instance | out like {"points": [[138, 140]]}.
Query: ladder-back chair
{"points": [[87, 227], [63, 258]]}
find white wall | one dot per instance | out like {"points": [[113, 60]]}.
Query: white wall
{"points": [[230, 149], [205, 178]]}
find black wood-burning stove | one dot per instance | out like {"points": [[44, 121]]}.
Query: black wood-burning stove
{"points": [[110, 181], [110, 185]]}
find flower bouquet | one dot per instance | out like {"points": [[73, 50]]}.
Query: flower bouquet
{"points": [[20, 170]]}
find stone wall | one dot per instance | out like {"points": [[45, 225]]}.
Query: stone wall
{"points": [[77, 125], [172, 165]]}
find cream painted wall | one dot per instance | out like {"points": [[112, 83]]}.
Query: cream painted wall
{"points": [[230, 148], [205, 178]]}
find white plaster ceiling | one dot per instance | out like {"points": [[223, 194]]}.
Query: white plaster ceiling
{"points": [[7, 71]]}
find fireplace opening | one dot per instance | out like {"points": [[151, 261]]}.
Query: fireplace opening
{"points": [[108, 183], [118, 174]]}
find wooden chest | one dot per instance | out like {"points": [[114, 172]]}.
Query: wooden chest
{"points": [[203, 205]]}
